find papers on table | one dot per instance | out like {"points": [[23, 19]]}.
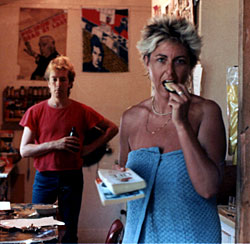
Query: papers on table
{"points": [[29, 223], [5, 205]]}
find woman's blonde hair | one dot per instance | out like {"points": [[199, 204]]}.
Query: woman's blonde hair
{"points": [[174, 29]]}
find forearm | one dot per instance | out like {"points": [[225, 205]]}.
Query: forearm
{"points": [[108, 134], [203, 172], [35, 150]]}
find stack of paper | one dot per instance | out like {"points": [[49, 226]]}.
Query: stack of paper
{"points": [[29, 223]]}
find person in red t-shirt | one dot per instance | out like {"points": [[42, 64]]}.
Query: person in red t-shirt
{"points": [[58, 156]]}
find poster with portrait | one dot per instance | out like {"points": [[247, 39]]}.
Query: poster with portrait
{"points": [[42, 36], [105, 40]]}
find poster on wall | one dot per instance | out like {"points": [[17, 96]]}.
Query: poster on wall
{"points": [[105, 40], [42, 37], [183, 8]]}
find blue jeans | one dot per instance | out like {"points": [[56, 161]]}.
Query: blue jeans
{"points": [[67, 187]]}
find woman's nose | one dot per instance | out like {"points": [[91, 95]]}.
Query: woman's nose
{"points": [[169, 69]]}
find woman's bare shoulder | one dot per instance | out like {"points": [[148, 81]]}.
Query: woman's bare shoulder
{"points": [[137, 110], [205, 106]]}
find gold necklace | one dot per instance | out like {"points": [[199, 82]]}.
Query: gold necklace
{"points": [[154, 110], [157, 129]]}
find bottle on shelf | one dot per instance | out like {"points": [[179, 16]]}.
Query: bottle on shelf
{"points": [[22, 92], [6, 93], [12, 92]]}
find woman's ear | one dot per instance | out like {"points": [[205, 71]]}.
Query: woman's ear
{"points": [[146, 60]]}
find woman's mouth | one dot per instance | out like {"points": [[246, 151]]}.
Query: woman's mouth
{"points": [[168, 85]]}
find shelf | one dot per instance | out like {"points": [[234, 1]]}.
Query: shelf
{"points": [[11, 126], [7, 170], [17, 101]]}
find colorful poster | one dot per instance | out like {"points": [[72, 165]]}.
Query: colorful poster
{"points": [[42, 36], [183, 8], [105, 40]]}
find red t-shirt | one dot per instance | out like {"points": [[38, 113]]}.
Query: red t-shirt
{"points": [[51, 124]]}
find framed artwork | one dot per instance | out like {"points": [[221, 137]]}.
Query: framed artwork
{"points": [[182, 8], [157, 10], [105, 40], [42, 37]]}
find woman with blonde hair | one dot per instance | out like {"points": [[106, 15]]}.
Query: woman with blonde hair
{"points": [[176, 141]]}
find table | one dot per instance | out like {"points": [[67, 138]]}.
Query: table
{"points": [[27, 210]]}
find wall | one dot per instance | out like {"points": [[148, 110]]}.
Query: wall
{"points": [[110, 94], [219, 27]]}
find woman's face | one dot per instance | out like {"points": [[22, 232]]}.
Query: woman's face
{"points": [[169, 61]]}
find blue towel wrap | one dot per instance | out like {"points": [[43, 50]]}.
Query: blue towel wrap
{"points": [[172, 211]]}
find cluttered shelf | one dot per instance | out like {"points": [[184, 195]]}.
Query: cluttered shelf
{"points": [[9, 157], [7, 163], [17, 101]]}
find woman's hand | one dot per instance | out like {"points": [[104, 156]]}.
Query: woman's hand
{"points": [[118, 167], [179, 102]]}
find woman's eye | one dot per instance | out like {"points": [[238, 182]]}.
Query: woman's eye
{"points": [[181, 61], [161, 60]]}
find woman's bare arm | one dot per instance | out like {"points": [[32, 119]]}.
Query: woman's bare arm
{"points": [[205, 153]]}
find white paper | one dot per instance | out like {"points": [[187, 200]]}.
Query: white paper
{"points": [[5, 205], [27, 223], [197, 74]]}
